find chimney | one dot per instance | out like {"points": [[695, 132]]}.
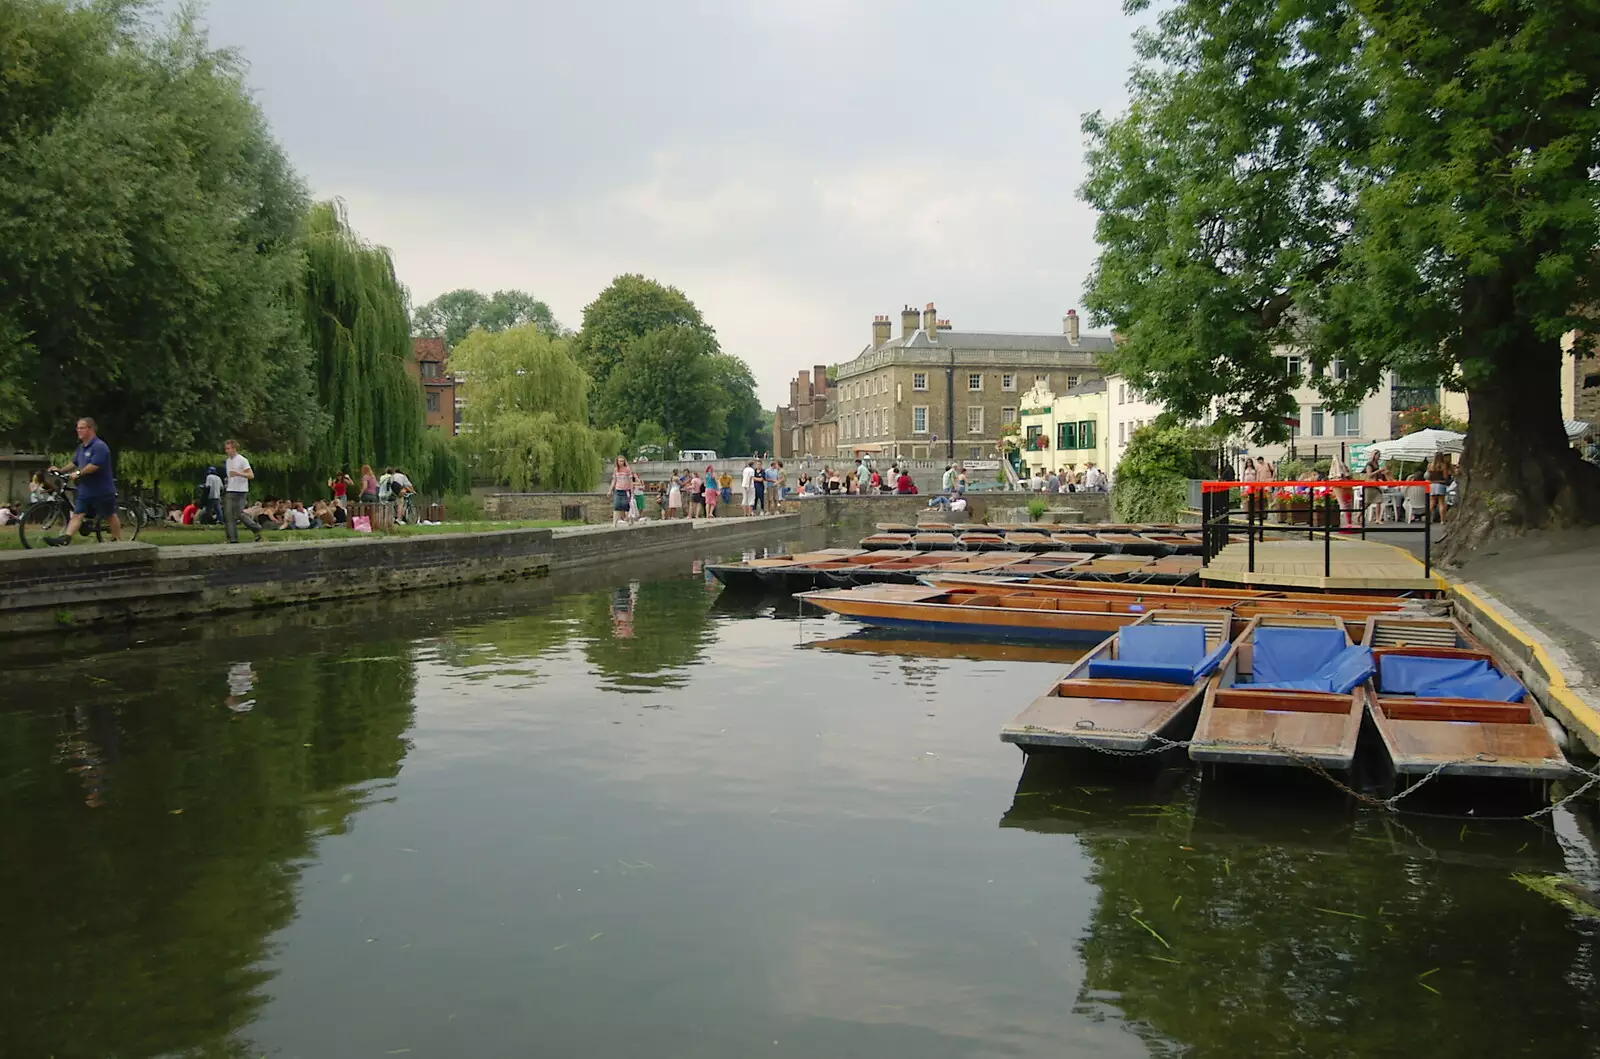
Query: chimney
{"points": [[819, 378], [880, 331], [1069, 324], [794, 393], [909, 322], [930, 323], [802, 388], [944, 325]]}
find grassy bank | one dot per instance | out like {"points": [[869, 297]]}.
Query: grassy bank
{"points": [[168, 535]]}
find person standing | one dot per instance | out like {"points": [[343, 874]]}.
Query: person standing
{"points": [[949, 478], [621, 491], [674, 495], [761, 490], [747, 488], [369, 485], [1438, 480], [1094, 479], [238, 489], [97, 489], [340, 485], [400, 487], [213, 486]]}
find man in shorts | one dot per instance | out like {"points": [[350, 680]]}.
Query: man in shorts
{"points": [[97, 489]]}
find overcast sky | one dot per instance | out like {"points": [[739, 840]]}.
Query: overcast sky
{"points": [[795, 166]]}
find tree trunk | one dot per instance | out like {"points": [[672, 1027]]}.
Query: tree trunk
{"points": [[1519, 472]]}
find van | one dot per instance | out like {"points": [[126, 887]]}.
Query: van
{"points": [[696, 455]]}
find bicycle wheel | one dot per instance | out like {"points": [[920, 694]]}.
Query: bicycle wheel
{"points": [[42, 524], [132, 521]]}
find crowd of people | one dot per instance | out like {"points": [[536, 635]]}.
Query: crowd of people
{"points": [[1431, 500], [215, 501], [1069, 479]]}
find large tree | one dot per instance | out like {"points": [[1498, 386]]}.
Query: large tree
{"points": [[147, 235], [1396, 186], [354, 313], [668, 377], [525, 407], [452, 315], [631, 307], [747, 426]]}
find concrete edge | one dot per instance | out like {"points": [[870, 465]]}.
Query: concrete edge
{"points": [[1440, 581], [1561, 687]]}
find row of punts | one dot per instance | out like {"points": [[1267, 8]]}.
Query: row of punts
{"points": [[842, 567], [1120, 539], [1256, 678]]}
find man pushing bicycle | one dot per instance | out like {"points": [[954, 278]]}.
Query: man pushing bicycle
{"points": [[97, 489]]}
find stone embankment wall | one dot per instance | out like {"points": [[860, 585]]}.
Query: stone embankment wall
{"points": [[86, 584], [859, 514]]}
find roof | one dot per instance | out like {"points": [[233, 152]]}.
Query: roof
{"points": [[1006, 340], [1092, 386], [984, 348]]}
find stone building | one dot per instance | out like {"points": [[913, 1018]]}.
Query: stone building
{"points": [[1580, 384], [430, 366], [938, 393], [808, 425]]}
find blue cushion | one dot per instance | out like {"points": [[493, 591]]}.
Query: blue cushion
{"points": [[1212, 660], [1164, 673], [1293, 653], [1163, 644], [1486, 687], [1340, 675], [1401, 674]]}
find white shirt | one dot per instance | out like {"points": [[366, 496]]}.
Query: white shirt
{"points": [[300, 519], [747, 480], [399, 481], [237, 463], [1094, 479], [958, 504], [214, 486]]}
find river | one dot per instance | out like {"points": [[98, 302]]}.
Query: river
{"points": [[625, 816]]}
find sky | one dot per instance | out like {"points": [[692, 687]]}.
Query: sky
{"points": [[794, 166]]}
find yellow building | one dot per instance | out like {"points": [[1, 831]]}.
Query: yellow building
{"points": [[1066, 431]]}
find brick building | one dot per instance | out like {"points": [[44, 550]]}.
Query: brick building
{"points": [[808, 425], [936, 392], [430, 367]]}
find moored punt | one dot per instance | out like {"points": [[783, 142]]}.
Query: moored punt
{"points": [[1082, 542], [1290, 692], [1031, 541], [895, 527], [1134, 544], [974, 613], [926, 541], [885, 539], [1175, 543], [1225, 596], [875, 642], [753, 573], [1142, 684], [1440, 701], [982, 540]]}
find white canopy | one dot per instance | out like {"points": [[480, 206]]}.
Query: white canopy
{"points": [[1576, 429], [1421, 446]]}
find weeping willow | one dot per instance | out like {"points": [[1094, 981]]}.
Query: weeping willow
{"points": [[354, 311], [526, 410]]}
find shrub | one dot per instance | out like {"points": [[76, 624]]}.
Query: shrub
{"points": [[463, 507], [1151, 482], [1036, 509], [1289, 470]]}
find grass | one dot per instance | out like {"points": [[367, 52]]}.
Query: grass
{"points": [[172, 535]]}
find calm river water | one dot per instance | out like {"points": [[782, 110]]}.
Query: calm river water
{"points": [[628, 817]]}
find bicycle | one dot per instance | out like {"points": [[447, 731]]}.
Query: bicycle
{"points": [[44, 521]]}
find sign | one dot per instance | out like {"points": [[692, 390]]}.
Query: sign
{"points": [[1357, 458], [980, 465]]}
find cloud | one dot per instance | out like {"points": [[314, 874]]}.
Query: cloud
{"points": [[796, 166]]}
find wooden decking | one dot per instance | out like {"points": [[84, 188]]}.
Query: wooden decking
{"points": [[1356, 564]]}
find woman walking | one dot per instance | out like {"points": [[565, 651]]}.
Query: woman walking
{"points": [[369, 484], [674, 496], [1345, 496], [621, 491]]}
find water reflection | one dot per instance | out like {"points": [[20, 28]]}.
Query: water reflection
{"points": [[1276, 922]]}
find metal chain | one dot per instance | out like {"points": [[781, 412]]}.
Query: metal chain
{"points": [[1161, 744]]}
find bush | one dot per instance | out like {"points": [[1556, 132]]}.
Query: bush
{"points": [[1036, 509], [1152, 477], [1289, 470], [463, 507]]}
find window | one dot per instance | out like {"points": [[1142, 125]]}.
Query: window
{"points": [[1316, 421], [1347, 424], [919, 381], [1066, 435], [1122, 433], [975, 453], [1122, 393], [1032, 438], [1008, 416], [975, 419], [430, 369], [1293, 367], [1085, 433], [433, 400], [919, 419], [1008, 382], [1591, 381], [1072, 381], [974, 381], [1340, 371]]}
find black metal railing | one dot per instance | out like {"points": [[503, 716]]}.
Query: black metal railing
{"points": [[1217, 515]]}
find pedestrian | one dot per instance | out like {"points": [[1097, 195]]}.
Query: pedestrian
{"points": [[340, 485], [400, 488], [712, 494], [369, 485], [772, 498], [948, 479], [674, 495], [238, 488], [622, 483], [1438, 476], [761, 490], [725, 483], [903, 484], [1344, 495], [783, 482], [637, 514], [1052, 484], [1094, 479], [747, 488], [697, 495], [97, 488], [213, 491]]}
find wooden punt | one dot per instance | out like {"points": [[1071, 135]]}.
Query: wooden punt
{"points": [[753, 573], [925, 540], [982, 540], [1495, 729], [971, 612], [887, 540], [1175, 543], [1241, 724], [895, 527], [1311, 600], [873, 642], [1109, 567], [1134, 544], [1083, 542], [1031, 541], [936, 527], [1130, 708]]}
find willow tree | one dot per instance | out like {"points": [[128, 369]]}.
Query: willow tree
{"points": [[525, 409], [354, 310], [1393, 185]]}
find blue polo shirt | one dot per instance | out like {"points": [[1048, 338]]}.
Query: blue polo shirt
{"points": [[100, 483]]}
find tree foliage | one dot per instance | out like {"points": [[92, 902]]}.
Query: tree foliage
{"points": [[1151, 478], [1401, 186], [147, 234], [669, 377], [453, 314], [747, 426], [630, 308], [354, 312], [526, 410]]}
